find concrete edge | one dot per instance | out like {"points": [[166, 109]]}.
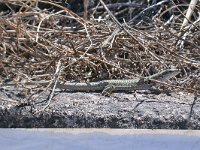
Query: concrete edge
{"points": [[115, 131]]}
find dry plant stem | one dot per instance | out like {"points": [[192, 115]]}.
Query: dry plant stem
{"points": [[142, 12], [190, 10], [9, 100], [4, 69], [123, 27], [34, 41], [85, 4], [107, 41], [44, 18], [176, 36], [185, 59], [25, 5], [111, 64], [56, 78], [111, 15], [122, 4], [183, 34], [119, 24], [177, 87], [76, 17]]}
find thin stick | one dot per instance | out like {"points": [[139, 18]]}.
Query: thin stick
{"points": [[56, 76]]}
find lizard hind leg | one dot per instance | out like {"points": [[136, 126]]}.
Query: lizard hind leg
{"points": [[108, 90]]}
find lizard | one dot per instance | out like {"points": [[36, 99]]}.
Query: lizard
{"points": [[108, 86]]}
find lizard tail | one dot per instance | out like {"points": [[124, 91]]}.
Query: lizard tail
{"points": [[76, 86]]}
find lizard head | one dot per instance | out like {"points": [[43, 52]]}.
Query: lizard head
{"points": [[167, 74]]}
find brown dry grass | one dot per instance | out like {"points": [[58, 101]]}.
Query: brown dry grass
{"points": [[35, 40]]}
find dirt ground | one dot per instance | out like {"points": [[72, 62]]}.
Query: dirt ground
{"points": [[93, 110]]}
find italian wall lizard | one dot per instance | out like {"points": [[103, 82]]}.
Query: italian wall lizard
{"points": [[107, 86]]}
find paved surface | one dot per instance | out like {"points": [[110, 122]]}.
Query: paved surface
{"points": [[98, 139], [92, 110]]}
